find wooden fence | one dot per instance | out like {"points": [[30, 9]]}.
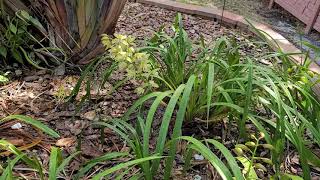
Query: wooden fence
{"points": [[305, 10]]}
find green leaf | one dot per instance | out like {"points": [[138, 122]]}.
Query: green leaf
{"points": [[17, 56], [178, 125], [148, 128], [165, 126], [96, 161], [32, 122], [139, 102], [248, 101], [3, 79], [7, 174], [287, 176], [25, 14], [231, 160], [13, 28], [3, 51], [213, 159], [54, 163], [210, 89], [30, 61], [66, 161], [33, 163], [247, 169], [124, 165]]}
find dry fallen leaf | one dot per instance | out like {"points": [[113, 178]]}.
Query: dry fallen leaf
{"points": [[16, 142], [90, 115], [66, 142]]}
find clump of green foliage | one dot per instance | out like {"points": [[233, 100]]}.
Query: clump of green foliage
{"points": [[219, 83], [227, 85], [17, 42]]}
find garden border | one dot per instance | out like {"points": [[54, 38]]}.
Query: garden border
{"points": [[233, 20]]}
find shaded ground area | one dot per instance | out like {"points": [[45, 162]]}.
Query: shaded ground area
{"points": [[279, 19]]}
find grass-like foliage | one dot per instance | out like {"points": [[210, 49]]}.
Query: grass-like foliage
{"points": [[277, 99], [204, 83], [57, 163], [31, 121], [31, 162], [219, 83], [138, 138]]}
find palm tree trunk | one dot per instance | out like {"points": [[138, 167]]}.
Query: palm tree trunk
{"points": [[74, 25]]}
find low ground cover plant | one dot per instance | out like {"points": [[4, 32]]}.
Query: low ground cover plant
{"points": [[18, 43], [203, 83]]}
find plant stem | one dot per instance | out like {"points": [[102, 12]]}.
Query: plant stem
{"points": [[252, 158]]}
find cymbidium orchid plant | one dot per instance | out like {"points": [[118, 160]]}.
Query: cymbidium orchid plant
{"points": [[137, 65]]}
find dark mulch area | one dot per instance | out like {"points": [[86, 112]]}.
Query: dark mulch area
{"points": [[40, 95]]}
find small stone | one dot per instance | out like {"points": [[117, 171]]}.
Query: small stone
{"points": [[60, 70], [18, 72], [198, 157], [197, 177], [31, 78], [90, 115], [41, 72], [16, 126]]}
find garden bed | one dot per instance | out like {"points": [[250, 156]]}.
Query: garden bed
{"points": [[279, 19], [40, 95]]}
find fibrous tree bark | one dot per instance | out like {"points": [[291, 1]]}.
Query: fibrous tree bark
{"points": [[73, 25]]}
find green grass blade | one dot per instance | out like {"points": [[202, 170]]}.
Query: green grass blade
{"points": [[209, 89], [178, 124], [248, 102], [7, 173], [53, 163], [138, 103], [30, 162], [210, 156], [66, 161], [261, 128], [122, 134], [84, 74], [30, 61], [123, 165], [147, 131], [121, 176], [32, 122], [231, 160], [165, 125], [187, 160], [96, 161], [149, 120]]}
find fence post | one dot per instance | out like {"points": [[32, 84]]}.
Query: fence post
{"points": [[314, 18]]}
